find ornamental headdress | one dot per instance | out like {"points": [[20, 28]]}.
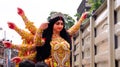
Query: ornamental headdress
{"points": [[58, 14]]}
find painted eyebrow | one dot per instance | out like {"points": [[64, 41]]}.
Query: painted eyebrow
{"points": [[59, 22]]}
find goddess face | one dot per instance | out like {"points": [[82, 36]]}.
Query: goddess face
{"points": [[58, 26]]}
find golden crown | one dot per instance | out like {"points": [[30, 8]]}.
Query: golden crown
{"points": [[56, 15]]}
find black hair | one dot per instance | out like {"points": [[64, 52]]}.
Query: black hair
{"points": [[44, 51], [26, 63], [41, 64]]}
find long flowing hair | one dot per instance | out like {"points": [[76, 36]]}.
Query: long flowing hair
{"points": [[44, 51]]}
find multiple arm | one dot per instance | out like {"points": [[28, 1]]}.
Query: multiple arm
{"points": [[35, 35], [24, 47], [30, 40], [30, 57], [38, 37], [29, 25], [18, 59], [24, 34], [38, 40]]}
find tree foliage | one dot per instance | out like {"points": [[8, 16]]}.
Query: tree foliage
{"points": [[95, 4]]}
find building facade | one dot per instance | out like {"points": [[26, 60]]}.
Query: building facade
{"points": [[97, 43]]}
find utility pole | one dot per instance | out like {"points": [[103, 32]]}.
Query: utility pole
{"points": [[7, 54]]}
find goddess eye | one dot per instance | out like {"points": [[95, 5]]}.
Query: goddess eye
{"points": [[61, 23], [57, 23]]}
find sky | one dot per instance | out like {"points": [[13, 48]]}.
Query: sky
{"points": [[36, 11]]}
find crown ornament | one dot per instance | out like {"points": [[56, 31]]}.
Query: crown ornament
{"points": [[56, 15]]}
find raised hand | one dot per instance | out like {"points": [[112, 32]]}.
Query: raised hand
{"points": [[7, 44], [84, 16], [43, 26], [11, 25], [16, 60], [20, 12]]}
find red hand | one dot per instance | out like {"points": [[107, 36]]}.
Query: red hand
{"points": [[16, 59], [85, 14], [11, 25], [20, 11], [7, 44]]}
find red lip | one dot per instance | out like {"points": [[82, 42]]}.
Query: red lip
{"points": [[59, 28]]}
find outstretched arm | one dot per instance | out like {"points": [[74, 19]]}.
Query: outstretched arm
{"points": [[18, 59], [76, 26], [23, 47], [30, 57], [38, 37], [24, 34], [29, 25], [38, 40]]}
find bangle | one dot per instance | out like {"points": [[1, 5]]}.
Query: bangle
{"points": [[24, 17]]}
